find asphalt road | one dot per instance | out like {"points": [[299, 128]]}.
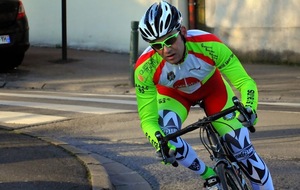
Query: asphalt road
{"points": [[118, 137]]}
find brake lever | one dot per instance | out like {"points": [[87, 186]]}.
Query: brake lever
{"points": [[240, 107], [163, 150]]}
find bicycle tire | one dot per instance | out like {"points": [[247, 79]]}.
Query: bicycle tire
{"points": [[228, 179], [245, 181]]}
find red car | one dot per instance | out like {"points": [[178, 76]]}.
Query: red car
{"points": [[14, 33]]}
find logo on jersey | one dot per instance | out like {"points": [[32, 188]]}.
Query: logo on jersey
{"points": [[226, 62], [141, 88], [210, 50], [195, 166], [171, 76], [140, 77], [245, 153], [199, 68], [186, 82], [229, 116], [250, 98]]}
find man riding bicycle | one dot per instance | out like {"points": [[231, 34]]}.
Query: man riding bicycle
{"points": [[182, 67]]}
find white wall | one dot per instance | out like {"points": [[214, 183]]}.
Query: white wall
{"points": [[91, 24], [247, 25]]}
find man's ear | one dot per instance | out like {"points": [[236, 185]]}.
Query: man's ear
{"points": [[183, 31]]}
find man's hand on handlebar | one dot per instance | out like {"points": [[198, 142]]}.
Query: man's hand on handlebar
{"points": [[252, 116], [167, 152], [170, 159]]}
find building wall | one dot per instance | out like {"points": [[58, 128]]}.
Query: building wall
{"points": [[261, 30], [91, 24], [269, 28]]}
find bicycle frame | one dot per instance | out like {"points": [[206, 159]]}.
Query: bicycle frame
{"points": [[220, 154]]}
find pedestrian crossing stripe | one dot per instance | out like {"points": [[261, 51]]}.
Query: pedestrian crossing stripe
{"points": [[64, 107], [27, 118]]}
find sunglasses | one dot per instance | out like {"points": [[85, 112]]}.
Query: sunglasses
{"points": [[167, 42]]}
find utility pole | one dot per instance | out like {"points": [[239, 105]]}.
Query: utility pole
{"points": [[134, 41], [64, 29]]}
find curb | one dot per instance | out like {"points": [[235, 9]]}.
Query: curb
{"points": [[99, 177], [98, 174]]}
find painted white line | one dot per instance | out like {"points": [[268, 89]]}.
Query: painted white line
{"points": [[61, 107], [280, 104], [84, 94], [27, 118], [112, 101]]}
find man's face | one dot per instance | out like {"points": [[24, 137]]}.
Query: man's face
{"points": [[171, 46]]}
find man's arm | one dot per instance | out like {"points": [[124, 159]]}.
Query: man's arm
{"points": [[231, 67], [146, 94]]}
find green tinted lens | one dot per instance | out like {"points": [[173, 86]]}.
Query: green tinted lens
{"points": [[157, 46], [167, 42], [171, 41]]}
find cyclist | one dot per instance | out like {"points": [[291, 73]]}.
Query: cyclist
{"points": [[181, 67]]}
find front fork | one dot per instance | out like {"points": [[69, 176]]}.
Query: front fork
{"points": [[219, 155]]}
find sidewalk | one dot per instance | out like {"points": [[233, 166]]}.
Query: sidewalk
{"points": [[84, 71], [32, 164], [29, 162], [102, 72]]}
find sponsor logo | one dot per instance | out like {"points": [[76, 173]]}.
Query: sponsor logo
{"points": [[169, 130], [140, 77], [153, 142], [250, 97], [171, 76], [186, 82], [229, 116], [226, 62], [163, 100], [141, 88], [193, 69], [195, 166], [245, 153], [210, 50], [147, 67]]}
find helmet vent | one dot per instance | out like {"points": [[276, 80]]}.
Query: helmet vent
{"points": [[160, 19], [168, 21]]}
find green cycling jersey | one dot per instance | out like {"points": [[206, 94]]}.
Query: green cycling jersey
{"points": [[206, 58]]}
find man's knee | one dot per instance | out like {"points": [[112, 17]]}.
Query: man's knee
{"points": [[239, 143]]}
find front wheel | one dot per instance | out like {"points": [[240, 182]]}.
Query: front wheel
{"points": [[229, 180], [245, 181]]}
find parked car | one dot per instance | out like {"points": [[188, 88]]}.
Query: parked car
{"points": [[14, 33]]}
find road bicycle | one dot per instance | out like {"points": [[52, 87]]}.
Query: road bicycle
{"points": [[225, 165]]}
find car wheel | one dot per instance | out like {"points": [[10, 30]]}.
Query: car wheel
{"points": [[13, 61], [17, 60]]}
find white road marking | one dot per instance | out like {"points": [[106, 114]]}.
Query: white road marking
{"points": [[280, 104], [27, 118], [63, 107], [112, 101]]}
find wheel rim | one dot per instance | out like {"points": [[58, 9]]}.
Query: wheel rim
{"points": [[231, 183]]}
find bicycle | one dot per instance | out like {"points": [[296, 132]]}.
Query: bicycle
{"points": [[226, 167]]}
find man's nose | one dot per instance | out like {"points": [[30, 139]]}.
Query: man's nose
{"points": [[166, 48]]}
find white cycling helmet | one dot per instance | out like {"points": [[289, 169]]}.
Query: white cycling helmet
{"points": [[160, 19]]}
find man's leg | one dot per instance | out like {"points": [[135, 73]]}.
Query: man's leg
{"points": [[242, 149]]}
